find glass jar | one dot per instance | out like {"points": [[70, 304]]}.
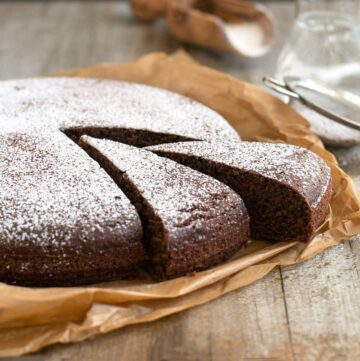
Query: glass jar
{"points": [[324, 43]]}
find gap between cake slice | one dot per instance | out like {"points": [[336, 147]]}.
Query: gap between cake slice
{"points": [[191, 221], [131, 136], [286, 189]]}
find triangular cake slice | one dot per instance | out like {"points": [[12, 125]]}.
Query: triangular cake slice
{"points": [[191, 221], [286, 189]]}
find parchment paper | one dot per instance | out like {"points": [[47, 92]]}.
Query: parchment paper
{"points": [[33, 318]]}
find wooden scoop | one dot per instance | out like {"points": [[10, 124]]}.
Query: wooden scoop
{"points": [[234, 26], [148, 10]]}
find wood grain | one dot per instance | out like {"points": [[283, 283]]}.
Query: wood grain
{"points": [[302, 313], [322, 301]]}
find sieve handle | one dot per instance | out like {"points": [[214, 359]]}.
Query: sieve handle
{"points": [[280, 87]]}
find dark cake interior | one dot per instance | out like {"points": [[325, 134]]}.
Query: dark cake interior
{"points": [[135, 137]]}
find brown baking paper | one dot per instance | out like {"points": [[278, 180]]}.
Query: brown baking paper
{"points": [[33, 318]]}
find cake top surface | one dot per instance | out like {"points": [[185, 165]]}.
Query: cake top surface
{"points": [[42, 103], [181, 197], [288, 164], [54, 195]]}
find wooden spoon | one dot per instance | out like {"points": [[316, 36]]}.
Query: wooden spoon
{"points": [[234, 26], [148, 10]]}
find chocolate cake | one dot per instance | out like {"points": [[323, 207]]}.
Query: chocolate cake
{"points": [[63, 220], [77, 210], [286, 189], [191, 221]]}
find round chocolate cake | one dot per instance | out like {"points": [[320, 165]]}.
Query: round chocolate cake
{"points": [[80, 202]]}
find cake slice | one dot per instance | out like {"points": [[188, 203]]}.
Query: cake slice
{"points": [[286, 189], [190, 220]]}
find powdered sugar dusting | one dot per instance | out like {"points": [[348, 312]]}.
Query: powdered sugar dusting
{"points": [[54, 196], [331, 132], [291, 165], [68, 102], [184, 199]]}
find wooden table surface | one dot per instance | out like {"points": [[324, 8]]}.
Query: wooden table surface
{"points": [[306, 312]]}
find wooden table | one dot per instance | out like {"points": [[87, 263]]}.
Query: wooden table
{"points": [[306, 312]]}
